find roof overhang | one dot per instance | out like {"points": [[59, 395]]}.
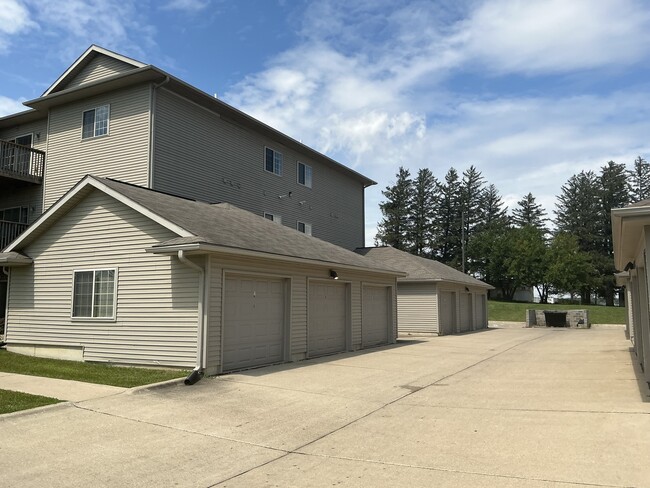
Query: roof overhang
{"points": [[205, 248], [628, 226], [12, 259], [443, 280], [24, 117]]}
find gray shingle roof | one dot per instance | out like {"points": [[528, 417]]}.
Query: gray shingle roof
{"points": [[418, 268], [225, 225]]}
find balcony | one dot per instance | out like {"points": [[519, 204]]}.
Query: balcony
{"points": [[9, 231], [21, 163]]}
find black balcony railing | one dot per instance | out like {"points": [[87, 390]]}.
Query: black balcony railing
{"points": [[21, 161], [9, 231]]}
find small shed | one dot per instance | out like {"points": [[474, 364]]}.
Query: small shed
{"points": [[433, 299]]}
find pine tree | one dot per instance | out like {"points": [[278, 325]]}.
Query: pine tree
{"points": [[579, 213], [471, 200], [422, 213], [394, 227], [493, 210], [448, 220], [639, 180], [529, 212]]}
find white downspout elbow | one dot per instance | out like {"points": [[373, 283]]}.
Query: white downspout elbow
{"points": [[201, 352]]}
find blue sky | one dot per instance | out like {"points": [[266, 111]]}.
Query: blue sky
{"points": [[529, 92]]}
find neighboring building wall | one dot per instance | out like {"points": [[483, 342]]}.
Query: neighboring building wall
{"points": [[156, 317], [299, 277], [100, 67], [199, 155], [123, 154], [467, 316], [417, 308]]}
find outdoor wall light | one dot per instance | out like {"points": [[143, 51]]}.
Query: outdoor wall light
{"points": [[629, 266], [334, 275]]}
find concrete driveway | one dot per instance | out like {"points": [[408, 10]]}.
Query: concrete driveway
{"points": [[502, 407]]}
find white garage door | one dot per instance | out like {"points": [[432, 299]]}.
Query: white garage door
{"points": [[465, 312], [253, 322], [375, 315], [328, 306], [447, 312]]}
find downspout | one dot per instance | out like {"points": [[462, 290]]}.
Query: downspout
{"points": [[199, 370], [3, 342], [152, 122]]}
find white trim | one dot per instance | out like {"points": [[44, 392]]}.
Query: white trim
{"points": [[307, 226], [97, 50], [277, 218], [311, 174], [23, 135], [91, 181], [275, 151], [108, 122], [113, 317]]}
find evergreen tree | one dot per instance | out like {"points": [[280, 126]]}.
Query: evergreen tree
{"points": [[493, 210], [422, 213], [529, 212], [448, 220], [614, 193], [394, 227], [579, 213], [639, 180], [471, 211]]}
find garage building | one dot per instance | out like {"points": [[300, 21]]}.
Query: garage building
{"points": [[433, 298]]}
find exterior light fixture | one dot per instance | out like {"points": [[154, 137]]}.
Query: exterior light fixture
{"points": [[334, 275]]}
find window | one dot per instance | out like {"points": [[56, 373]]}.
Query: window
{"points": [[273, 161], [15, 214], [95, 122], [304, 228], [304, 174], [273, 217], [93, 294]]}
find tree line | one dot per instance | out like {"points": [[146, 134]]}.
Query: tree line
{"points": [[463, 222]]}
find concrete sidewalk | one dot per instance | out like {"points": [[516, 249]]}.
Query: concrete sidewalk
{"points": [[497, 408], [67, 390]]}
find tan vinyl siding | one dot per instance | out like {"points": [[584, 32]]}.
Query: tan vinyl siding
{"points": [[199, 155], [298, 276], [101, 66], [156, 314], [417, 311], [123, 154]]}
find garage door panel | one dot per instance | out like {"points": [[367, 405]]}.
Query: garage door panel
{"points": [[465, 312], [254, 321], [327, 329], [447, 308], [375, 315]]}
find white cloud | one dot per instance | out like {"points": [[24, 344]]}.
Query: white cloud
{"points": [[10, 106], [555, 35], [186, 5], [14, 19]]}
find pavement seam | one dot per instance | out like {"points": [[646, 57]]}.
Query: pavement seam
{"points": [[458, 471], [338, 429], [461, 407]]}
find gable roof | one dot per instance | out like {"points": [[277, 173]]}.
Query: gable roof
{"points": [[418, 269], [82, 61], [206, 227]]}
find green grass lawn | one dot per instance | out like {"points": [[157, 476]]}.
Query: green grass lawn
{"points": [[14, 401], [516, 312], [88, 372]]}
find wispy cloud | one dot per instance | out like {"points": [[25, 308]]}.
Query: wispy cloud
{"points": [[14, 19], [186, 5], [10, 106]]}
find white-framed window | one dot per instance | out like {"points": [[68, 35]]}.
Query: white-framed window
{"points": [[304, 227], [273, 161], [95, 122], [18, 215], [93, 293], [304, 174], [273, 217]]}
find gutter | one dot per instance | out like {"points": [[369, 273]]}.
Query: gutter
{"points": [[201, 352]]}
